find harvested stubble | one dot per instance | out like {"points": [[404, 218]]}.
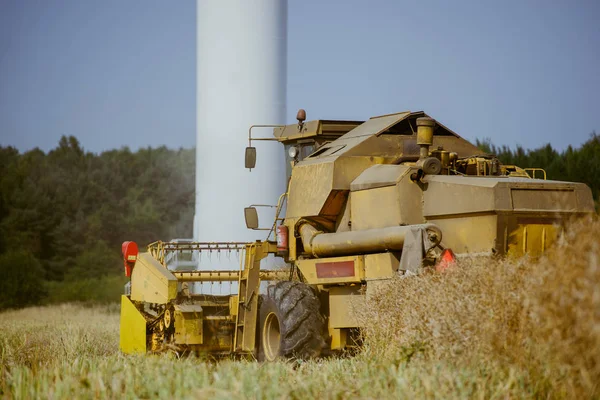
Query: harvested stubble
{"points": [[488, 329]]}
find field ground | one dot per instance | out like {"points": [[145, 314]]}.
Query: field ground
{"points": [[489, 329]]}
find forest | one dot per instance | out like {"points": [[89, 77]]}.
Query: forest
{"points": [[65, 213]]}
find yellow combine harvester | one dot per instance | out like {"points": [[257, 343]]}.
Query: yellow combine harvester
{"points": [[366, 201]]}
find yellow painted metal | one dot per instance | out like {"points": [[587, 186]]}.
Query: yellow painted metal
{"points": [[425, 131], [338, 163], [151, 282], [271, 337], [308, 267], [400, 204], [248, 291], [389, 194], [383, 203], [132, 338], [425, 128], [471, 233], [233, 305], [338, 338], [306, 198], [481, 216], [544, 199], [188, 324], [381, 266], [315, 129], [532, 239], [346, 305], [335, 171], [227, 276]]}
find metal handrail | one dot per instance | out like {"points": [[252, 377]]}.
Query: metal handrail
{"points": [[533, 171]]}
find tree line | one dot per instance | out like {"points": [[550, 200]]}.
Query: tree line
{"points": [[65, 213], [573, 164]]}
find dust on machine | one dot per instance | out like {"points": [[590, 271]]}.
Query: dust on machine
{"points": [[366, 202]]}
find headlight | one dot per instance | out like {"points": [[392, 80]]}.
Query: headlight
{"points": [[293, 152]]}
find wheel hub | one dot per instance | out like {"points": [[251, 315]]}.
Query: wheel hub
{"points": [[271, 337]]}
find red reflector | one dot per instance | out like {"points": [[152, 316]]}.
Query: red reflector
{"points": [[447, 260], [336, 269], [130, 253]]}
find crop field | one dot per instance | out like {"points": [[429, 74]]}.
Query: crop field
{"points": [[510, 328]]}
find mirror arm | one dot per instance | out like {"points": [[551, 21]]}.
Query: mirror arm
{"points": [[250, 138], [262, 205]]}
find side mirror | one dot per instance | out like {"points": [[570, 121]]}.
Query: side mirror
{"points": [[251, 216], [250, 161]]}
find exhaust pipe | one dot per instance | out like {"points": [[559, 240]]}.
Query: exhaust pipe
{"points": [[321, 244]]}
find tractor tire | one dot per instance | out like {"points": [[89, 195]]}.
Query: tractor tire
{"points": [[291, 324]]}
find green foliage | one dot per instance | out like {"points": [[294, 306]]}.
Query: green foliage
{"points": [[574, 165], [96, 260], [72, 209], [22, 279], [102, 290]]}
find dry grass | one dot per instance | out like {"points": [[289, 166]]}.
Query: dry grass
{"points": [[540, 320], [502, 329]]}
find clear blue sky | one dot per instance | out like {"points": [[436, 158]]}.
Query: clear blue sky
{"points": [[122, 73]]}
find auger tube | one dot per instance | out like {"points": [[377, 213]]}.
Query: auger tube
{"points": [[322, 244]]}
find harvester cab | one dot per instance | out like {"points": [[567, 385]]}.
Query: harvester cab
{"points": [[366, 201]]}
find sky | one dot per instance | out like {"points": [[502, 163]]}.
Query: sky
{"points": [[119, 73]]}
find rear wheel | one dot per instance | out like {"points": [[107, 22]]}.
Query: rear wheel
{"points": [[291, 324]]}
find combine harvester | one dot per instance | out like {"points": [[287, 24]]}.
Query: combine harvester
{"points": [[366, 201]]}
